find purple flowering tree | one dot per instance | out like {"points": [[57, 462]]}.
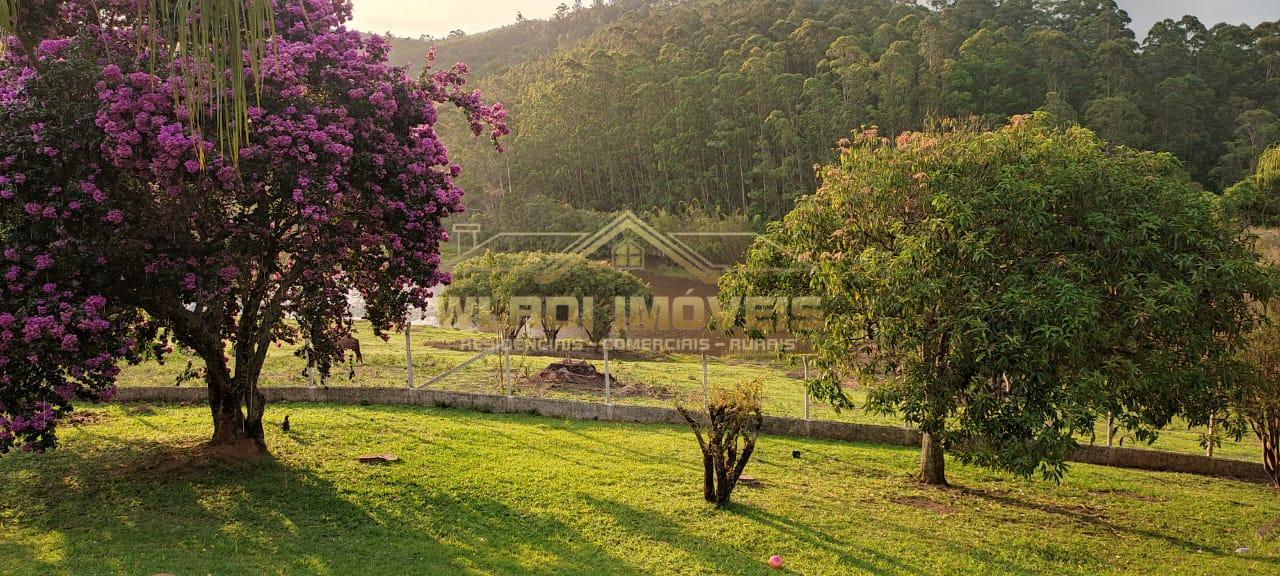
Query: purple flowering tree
{"points": [[107, 194]]}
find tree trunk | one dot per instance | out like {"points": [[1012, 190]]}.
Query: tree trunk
{"points": [[724, 486], [228, 419], [231, 425], [708, 478], [256, 405], [933, 469], [1271, 452]]}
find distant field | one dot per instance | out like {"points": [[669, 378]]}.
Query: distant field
{"points": [[504, 494], [679, 375]]}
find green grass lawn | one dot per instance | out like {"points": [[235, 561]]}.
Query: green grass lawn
{"points": [[679, 375], [503, 494]]}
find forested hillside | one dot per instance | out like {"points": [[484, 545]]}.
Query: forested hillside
{"points": [[730, 104], [492, 50]]}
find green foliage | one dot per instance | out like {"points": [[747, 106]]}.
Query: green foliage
{"points": [[1006, 288], [1257, 400], [646, 105], [514, 494], [726, 426], [1256, 199], [511, 289], [498, 212]]}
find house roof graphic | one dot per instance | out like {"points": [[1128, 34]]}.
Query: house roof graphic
{"points": [[666, 244], [669, 245]]}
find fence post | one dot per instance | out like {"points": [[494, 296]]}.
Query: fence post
{"points": [[805, 361], [706, 400], [506, 372], [608, 380], [1212, 424], [408, 352]]}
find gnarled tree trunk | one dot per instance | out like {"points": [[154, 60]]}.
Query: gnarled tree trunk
{"points": [[933, 467], [228, 419], [235, 402], [1268, 430], [727, 446]]}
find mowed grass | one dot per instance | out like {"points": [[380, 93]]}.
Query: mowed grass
{"points": [[507, 494], [680, 376]]}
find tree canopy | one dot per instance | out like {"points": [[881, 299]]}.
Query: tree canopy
{"points": [[644, 104], [1002, 290], [107, 210], [515, 290]]}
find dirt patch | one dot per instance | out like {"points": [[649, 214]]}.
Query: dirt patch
{"points": [[1271, 528], [571, 375], [924, 504], [240, 452], [1078, 512], [86, 417], [142, 410], [188, 459], [539, 349]]}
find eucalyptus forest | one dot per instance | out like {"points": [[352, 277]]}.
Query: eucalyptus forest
{"points": [[647, 104]]}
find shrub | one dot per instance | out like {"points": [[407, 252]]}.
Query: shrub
{"points": [[726, 428], [1256, 199], [1257, 400]]}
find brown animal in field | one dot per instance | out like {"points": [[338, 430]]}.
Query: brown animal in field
{"points": [[350, 343]]}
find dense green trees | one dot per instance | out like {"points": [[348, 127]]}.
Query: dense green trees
{"points": [[1001, 290], [1256, 198], [646, 104], [512, 291]]}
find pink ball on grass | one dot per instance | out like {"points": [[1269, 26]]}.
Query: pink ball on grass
{"points": [[775, 562]]}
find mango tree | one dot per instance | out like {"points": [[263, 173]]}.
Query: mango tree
{"points": [[1002, 290]]}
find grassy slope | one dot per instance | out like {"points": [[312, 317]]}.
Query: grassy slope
{"points": [[486, 494], [681, 375]]}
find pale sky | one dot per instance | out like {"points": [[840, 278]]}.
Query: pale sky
{"points": [[438, 17], [413, 18]]}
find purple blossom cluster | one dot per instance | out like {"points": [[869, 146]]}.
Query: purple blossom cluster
{"points": [[126, 219]]}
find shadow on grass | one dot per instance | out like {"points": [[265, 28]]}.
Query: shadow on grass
{"points": [[1083, 516], [148, 507]]}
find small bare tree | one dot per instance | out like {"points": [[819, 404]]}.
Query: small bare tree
{"points": [[727, 427]]}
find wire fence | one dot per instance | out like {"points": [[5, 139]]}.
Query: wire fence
{"points": [[430, 358]]}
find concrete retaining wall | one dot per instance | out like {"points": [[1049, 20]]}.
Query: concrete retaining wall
{"points": [[568, 409]]}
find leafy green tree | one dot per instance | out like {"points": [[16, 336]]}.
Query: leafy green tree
{"points": [[1256, 199], [1181, 115], [1002, 290], [482, 289], [1095, 23], [650, 104], [1256, 130], [600, 290], [510, 291], [1116, 69], [1256, 401], [989, 77], [1061, 110], [894, 87], [1059, 58], [1117, 119]]}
